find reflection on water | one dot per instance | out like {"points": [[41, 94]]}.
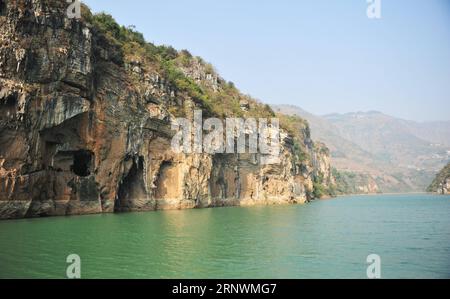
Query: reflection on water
{"points": [[326, 239]]}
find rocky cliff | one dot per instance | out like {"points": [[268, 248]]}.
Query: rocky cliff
{"points": [[85, 124], [441, 183]]}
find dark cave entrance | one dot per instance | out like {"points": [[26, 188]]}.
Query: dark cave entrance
{"points": [[11, 100], [132, 187], [82, 163], [8, 104], [2, 7]]}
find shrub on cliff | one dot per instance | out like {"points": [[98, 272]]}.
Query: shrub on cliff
{"points": [[122, 34], [319, 190], [441, 177]]}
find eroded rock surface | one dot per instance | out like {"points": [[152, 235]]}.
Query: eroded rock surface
{"points": [[441, 183], [84, 130]]}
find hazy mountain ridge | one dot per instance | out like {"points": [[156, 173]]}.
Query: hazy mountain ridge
{"points": [[400, 155], [437, 132], [391, 140]]}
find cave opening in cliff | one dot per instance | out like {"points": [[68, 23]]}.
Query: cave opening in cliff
{"points": [[11, 100], [2, 7], [82, 163], [132, 187], [8, 105]]}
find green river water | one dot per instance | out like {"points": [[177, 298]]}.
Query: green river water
{"points": [[324, 239]]}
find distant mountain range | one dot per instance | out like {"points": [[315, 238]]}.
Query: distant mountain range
{"points": [[397, 155]]}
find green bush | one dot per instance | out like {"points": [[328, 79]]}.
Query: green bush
{"points": [[122, 34], [319, 190]]}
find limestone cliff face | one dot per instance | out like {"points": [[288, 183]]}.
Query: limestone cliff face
{"points": [[86, 129], [446, 186], [441, 183]]}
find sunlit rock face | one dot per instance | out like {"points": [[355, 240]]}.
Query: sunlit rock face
{"points": [[446, 186], [83, 130], [441, 184]]}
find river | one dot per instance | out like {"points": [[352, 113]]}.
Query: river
{"points": [[324, 239]]}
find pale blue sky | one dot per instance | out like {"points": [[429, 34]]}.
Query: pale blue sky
{"points": [[323, 55]]}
